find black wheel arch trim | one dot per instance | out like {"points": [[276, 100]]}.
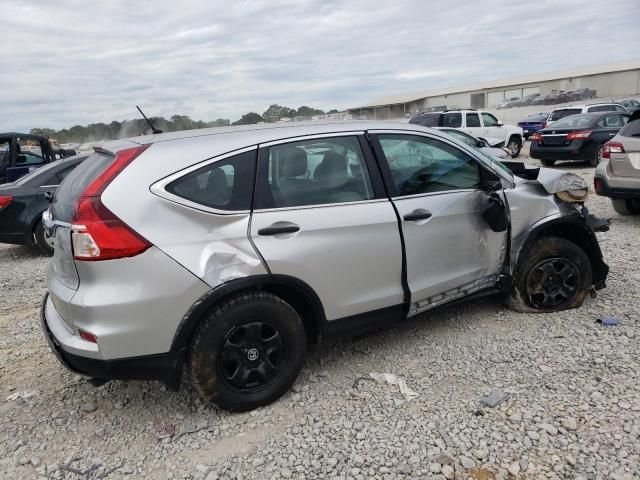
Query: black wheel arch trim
{"points": [[271, 283], [575, 229]]}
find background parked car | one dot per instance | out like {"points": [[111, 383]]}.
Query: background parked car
{"points": [[508, 103], [618, 174], [559, 113], [631, 104], [533, 123], [17, 160], [22, 204], [524, 101], [479, 143], [580, 94], [576, 137], [477, 123]]}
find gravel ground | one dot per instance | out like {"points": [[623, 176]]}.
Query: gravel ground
{"points": [[573, 409]]}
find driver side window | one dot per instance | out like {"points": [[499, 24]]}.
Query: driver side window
{"points": [[426, 165]]}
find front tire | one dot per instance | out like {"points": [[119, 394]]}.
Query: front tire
{"points": [[626, 206], [42, 239], [554, 274], [247, 352], [514, 145]]}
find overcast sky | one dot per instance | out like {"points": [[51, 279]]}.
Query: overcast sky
{"points": [[68, 62]]}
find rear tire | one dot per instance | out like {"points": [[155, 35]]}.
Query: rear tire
{"points": [[247, 352], [547, 162], [514, 145], [553, 274], [625, 206], [42, 239], [597, 156]]}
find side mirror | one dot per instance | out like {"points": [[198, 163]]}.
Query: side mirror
{"points": [[491, 186], [482, 142]]}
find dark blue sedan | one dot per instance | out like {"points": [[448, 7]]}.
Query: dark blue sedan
{"points": [[532, 124]]}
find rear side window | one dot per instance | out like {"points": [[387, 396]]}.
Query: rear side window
{"points": [[427, 120], [602, 108], [631, 129], [473, 120], [452, 120], [66, 197], [224, 185], [558, 114]]}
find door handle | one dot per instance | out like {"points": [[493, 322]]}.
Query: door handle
{"points": [[276, 229], [417, 215]]}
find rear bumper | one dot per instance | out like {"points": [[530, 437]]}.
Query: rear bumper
{"points": [[570, 152], [166, 367], [607, 190]]}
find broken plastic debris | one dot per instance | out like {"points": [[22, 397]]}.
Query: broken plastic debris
{"points": [[24, 395], [555, 181], [608, 320], [494, 399], [391, 379]]}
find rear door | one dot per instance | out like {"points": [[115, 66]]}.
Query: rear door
{"points": [[435, 186], [473, 124], [321, 216]]}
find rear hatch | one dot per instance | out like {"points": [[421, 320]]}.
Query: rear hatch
{"points": [[625, 160]]}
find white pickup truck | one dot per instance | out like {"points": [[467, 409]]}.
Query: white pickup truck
{"points": [[477, 123]]}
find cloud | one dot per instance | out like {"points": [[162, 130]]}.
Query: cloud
{"points": [[74, 62]]}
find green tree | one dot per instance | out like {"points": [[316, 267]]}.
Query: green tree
{"points": [[275, 112], [305, 111], [248, 119]]}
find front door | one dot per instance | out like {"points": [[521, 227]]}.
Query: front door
{"points": [[320, 215], [450, 249]]}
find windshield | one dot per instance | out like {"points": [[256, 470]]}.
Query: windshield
{"points": [[558, 114], [539, 117], [573, 121]]}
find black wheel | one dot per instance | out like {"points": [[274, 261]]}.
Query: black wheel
{"points": [[42, 239], [553, 274], [547, 162], [514, 146], [597, 156], [626, 206], [247, 352]]}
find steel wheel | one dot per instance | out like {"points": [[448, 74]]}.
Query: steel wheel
{"points": [[252, 355], [553, 283], [514, 146]]}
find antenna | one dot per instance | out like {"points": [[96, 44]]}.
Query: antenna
{"points": [[153, 129]]}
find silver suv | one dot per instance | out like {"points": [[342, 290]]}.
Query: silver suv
{"points": [[227, 251]]}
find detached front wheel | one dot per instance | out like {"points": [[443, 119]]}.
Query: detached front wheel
{"points": [[247, 352], [555, 274]]}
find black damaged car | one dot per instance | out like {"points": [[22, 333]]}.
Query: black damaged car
{"points": [[576, 137], [23, 202]]}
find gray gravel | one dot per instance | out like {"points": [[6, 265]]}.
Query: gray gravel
{"points": [[573, 406]]}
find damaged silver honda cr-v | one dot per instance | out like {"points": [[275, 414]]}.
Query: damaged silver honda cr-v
{"points": [[227, 251]]}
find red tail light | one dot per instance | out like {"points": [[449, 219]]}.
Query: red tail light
{"points": [[579, 135], [537, 137], [97, 233], [5, 200], [611, 147], [88, 336], [598, 184]]}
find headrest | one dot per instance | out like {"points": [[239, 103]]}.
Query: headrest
{"points": [[294, 162]]}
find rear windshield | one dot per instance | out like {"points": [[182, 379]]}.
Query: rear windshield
{"points": [[631, 129], [540, 117], [574, 121], [558, 114], [64, 201], [427, 120]]}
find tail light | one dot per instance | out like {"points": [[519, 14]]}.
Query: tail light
{"points": [[537, 137], [607, 150], [5, 200], [97, 233], [88, 336], [598, 184], [579, 135]]}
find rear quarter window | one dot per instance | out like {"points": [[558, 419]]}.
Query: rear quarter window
{"points": [[427, 120], [223, 185]]}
